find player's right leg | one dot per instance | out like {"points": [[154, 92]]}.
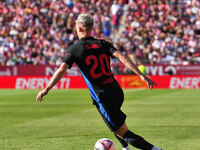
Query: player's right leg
{"points": [[115, 127], [134, 139], [123, 143], [115, 118]]}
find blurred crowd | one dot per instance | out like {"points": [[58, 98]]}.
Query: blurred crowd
{"points": [[148, 31]]}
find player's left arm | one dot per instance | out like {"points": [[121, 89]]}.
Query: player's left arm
{"points": [[128, 63], [56, 77]]}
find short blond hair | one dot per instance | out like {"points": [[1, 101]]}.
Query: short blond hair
{"points": [[86, 21]]}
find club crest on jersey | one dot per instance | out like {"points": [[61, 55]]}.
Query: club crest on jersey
{"points": [[90, 46]]}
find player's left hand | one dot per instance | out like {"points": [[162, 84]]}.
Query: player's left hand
{"points": [[41, 94], [149, 82]]}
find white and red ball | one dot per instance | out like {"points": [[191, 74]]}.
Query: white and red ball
{"points": [[104, 144]]}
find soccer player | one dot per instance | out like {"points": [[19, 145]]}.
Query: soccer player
{"points": [[93, 58]]}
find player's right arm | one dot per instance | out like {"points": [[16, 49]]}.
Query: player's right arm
{"points": [[128, 63], [56, 77]]}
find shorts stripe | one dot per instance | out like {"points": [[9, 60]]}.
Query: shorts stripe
{"points": [[95, 97]]}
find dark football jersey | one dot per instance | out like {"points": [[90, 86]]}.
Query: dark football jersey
{"points": [[93, 58]]}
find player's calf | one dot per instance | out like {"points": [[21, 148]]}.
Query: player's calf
{"points": [[138, 142], [123, 143]]}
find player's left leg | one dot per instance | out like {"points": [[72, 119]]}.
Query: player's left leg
{"points": [[134, 139]]}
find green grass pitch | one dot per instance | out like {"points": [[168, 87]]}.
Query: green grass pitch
{"points": [[66, 120]]}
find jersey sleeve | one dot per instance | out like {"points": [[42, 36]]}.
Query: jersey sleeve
{"points": [[111, 48], [69, 57]]}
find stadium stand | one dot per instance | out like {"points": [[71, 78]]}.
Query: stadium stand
{"points": [[38, 32]]}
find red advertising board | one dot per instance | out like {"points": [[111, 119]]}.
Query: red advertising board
{"points": [[35, 71], [70, 82], [22, 82], [171, 82], [74, 71], [173, 70]]}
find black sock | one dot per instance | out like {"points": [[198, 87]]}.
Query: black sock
{"points": [[137, 141], [123, 143]]}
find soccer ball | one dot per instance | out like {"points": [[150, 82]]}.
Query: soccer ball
{"points": [[104, 144]]}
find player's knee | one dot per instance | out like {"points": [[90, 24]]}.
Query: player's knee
{"points": [[122, 130]]}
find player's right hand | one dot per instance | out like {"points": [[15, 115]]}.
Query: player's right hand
{"points": [[148, 81], [41, 94]]}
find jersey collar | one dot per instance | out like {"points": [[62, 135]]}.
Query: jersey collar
{"points": [[87, 38]]}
